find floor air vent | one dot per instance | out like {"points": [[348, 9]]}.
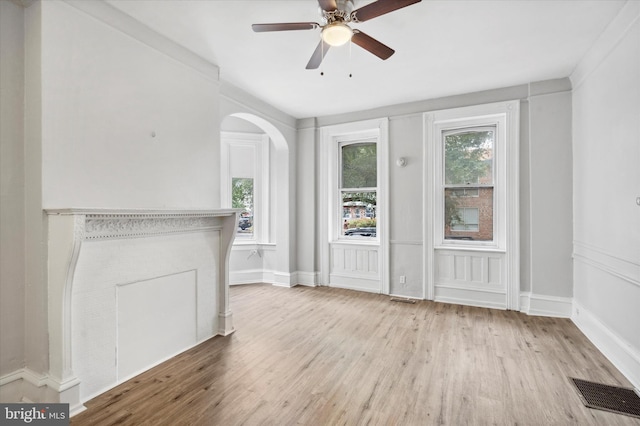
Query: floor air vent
{"points": [[609, 398]]}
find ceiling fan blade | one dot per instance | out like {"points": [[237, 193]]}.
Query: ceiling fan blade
{"points": [[290, 26], [328, 5], [378, 8], [372, 45], [318, 55]]}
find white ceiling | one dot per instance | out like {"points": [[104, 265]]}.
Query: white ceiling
{"points": [[442, 47]]}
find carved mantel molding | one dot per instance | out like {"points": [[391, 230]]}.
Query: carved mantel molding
{"points": [[110, 224], [68, 229]]}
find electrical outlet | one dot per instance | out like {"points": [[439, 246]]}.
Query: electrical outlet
{"points": [[403, 279]]}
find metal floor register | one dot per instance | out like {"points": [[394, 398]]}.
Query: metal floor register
{"points": [[609, 398]]}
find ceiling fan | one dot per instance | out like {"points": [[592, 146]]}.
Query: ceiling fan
{"points": [[336, 16]]}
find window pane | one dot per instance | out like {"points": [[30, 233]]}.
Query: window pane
{"points": [[242, 198], [465, 192], [469, 157], [468, 218], [359, 213], [359, 166]]}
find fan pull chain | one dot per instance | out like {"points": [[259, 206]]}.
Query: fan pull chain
{"points": [[350, 74], [322, 58]]}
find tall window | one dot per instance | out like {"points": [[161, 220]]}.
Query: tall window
{"points": [[469, 183], [358, 189], [245, 183], [242, 198]]}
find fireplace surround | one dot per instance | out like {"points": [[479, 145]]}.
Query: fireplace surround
{"points": [[128, 289]]}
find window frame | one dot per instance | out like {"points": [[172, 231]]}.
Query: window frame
{"points": [[260, 174], [497, 123], [465, 186], [330, 218], [341, 189]]}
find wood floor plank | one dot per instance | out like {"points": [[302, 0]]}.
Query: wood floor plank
{"points": [[323, 356]]}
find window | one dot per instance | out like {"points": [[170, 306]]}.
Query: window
{"points": [[466, 220], [242, 198], [468, 183], [358, 188], [245, 183], [353, 205]]}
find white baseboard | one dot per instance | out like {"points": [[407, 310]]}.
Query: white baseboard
{"points": [[308, 279], [402, 296], [621, 353], [470, 296], [252, 276], [280, 279], [284, 279], [11, 387], [545, 306], [355, 287], [25, 385]]}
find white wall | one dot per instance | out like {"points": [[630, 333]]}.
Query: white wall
{"points": [[12, 254], [606, 184], [405, 199], [95, 85], [550, 193], [307, 207], [36, 338], [104, 97]]}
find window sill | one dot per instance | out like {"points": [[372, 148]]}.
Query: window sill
{"points": [[470, 247], [249, 245], [357, 241]]}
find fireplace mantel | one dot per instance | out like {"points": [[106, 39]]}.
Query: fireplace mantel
{"points": [[69, 230]]}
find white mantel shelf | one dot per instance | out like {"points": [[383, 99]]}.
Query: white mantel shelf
{"points": [[68, 229], [132, 223], [152, 212]]}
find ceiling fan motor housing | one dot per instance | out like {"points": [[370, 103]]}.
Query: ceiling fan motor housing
{"points": [[341, 14]]}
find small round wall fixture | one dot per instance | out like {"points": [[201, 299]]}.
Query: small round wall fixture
{"points": [[401, 162]]}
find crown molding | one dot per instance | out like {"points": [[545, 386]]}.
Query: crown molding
{"points": [[144, 34], [615, 32]]}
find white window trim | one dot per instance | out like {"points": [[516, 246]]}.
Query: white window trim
{"points": [[341, 142], [497, 121], [260, 143], [330, 137], [506, 117]]}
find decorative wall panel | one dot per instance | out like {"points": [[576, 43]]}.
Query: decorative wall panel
{"points": [[470, 277], [355, 266]]}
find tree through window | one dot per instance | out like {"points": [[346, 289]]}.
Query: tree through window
{"points": [[358, 188], [469, 184], [242, 198]]}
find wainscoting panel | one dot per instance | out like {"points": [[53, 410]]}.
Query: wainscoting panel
{"points": [[470, 278], [355, 266]]}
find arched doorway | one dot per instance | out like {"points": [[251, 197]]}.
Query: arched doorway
{"points": [[267, 260]]}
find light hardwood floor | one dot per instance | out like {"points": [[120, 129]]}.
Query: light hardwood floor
{"points": [[322, 356]]}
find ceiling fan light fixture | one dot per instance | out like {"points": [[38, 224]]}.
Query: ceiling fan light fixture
{"points": [[336, 34]]}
